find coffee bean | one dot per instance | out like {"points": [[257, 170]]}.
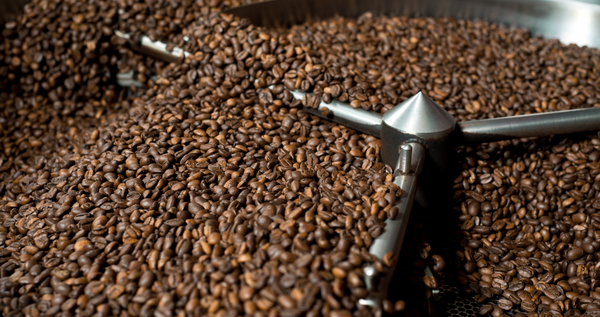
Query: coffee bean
{"points": [[528, 306], [485, 310], [399, 306], [574, 253], [146, 279], [439, 263], [430, 282], [340, 313], [388, 307], [388, 259], [505, 304], [497, 312]]}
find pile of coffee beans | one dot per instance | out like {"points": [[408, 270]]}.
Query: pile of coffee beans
{"points": [[475, 70], [206, 193], [171, 22], [175, 203], [168, 21], [529, 218]]}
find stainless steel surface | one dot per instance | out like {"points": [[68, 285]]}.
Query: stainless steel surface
{"points": [[421, 116], [569, 21], [391, 239], [372, 280], [535, 125], [127, 80], [405, 158], [155, 49], [418, 117], [359, 119]]}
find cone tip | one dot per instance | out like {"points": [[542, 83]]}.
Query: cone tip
{"points": [[419, 114]]}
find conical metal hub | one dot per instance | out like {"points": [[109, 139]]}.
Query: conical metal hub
{"points": [[417, 119], [420, 119], [419, 116]]}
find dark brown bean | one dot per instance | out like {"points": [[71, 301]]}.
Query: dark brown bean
{"points": [[485, 310], [505, 304]]}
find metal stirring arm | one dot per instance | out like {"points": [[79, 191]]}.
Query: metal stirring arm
{"points": [[534, 125], [155, 49], [477, 131], [358, 119], [408, 170]]}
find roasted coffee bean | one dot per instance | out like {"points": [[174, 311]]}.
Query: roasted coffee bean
{"points": [[497, 312], [480, 298], [485, 309], [528, 306], [512, 296], [388, 259], [400, 306], [388, 307], [439, 263], [430, 282], [505, 304]]}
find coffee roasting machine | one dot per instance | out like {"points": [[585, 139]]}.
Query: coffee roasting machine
{"points": [[418, 136]]}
